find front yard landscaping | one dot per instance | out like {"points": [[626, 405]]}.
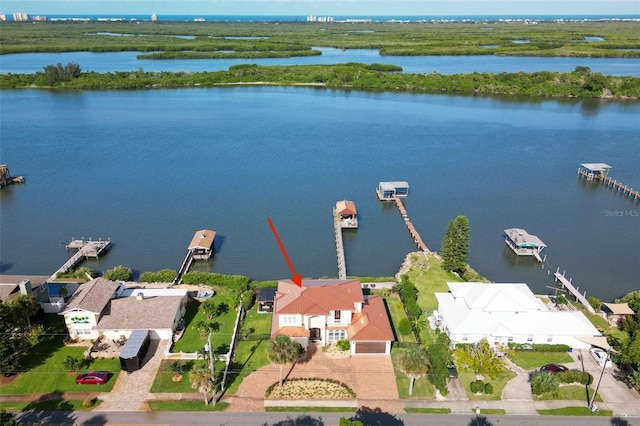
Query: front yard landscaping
{"points": [[312, 388], [533, 359], [497, 384], [44, 370]]}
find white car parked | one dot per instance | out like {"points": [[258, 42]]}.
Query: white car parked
{"points": [[601, 357]]}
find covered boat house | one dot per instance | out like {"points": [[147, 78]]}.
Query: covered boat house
{"points": [[347, 214], [201, 247], [392, 190], [523, 244], [591, 171]]}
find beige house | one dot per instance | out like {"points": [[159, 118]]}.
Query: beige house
{"points": [[109, 309]]}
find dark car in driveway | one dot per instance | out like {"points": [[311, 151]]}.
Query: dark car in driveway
{"points": [[553, 368], [453, 371], [92, 378]]}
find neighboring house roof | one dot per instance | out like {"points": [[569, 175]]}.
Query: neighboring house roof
{"points": [[506, 310], [128, 313], [10, 284], [618, 309], [317, 298], [372, 323], [92, 296], [202, 239], [346, 207], [266, 294]]}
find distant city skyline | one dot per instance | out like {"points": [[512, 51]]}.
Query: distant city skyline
{"points": [[323, 7]]}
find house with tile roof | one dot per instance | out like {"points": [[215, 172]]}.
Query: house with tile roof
{"points": [[503, 313], [325, 311], [107, 309]]}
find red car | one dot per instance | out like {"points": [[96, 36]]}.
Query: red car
{"points": [[553, 368], [92, 378]]}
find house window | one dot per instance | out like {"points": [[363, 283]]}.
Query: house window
{"points": [[336, 316], [510, 339], [549, 339], [83, 331], [465, 338], [335, 335], [530, 338], [289, 319]]}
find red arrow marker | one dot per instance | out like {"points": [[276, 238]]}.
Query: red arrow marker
{"points": [[296, 278]]}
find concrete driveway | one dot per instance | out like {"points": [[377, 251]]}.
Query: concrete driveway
{"points": [[371, 377]]}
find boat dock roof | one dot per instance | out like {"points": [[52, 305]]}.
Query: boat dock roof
{"points": [[522, 238], [596, 167], [346, 207], [203, 239]]}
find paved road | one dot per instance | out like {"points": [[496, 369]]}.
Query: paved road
{"points": [[311, 419]]}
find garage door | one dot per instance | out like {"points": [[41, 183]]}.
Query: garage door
{"points": [[370, 347]]}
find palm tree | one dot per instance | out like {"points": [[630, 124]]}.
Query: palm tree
{"points": [[203, 380], [414, 363], [282, 350], [23, 307]]}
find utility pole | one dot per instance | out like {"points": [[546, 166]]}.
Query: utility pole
{"points": [[213, 374], [592, 407]]}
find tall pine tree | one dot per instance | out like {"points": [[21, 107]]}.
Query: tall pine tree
{"points": [[455, 245]]}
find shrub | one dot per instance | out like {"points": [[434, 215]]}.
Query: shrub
{"points": [[574, 376], [343, 345], [477, 386], [543, 382], [488, 388], [119, 273], [404, 326], [88, 402]]}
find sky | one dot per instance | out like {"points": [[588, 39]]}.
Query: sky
{"points": [[324, 7]]}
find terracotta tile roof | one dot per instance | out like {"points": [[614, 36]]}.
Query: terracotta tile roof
{"points": [[317, 299], [346, 207], [372, 323], [292, 331], [92, 296], [203, 239]]}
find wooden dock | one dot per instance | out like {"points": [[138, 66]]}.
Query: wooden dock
{"points": [[582, 298], [342, 265], [600, 172], [412, 230], [85, 249], [184, 268]]}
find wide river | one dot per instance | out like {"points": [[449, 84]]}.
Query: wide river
{"points": [[149, 168]]}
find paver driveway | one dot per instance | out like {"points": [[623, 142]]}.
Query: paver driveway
{"points": [[371, 377]]}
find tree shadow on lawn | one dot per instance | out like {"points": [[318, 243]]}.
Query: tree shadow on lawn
{"points": [[48, 409]]}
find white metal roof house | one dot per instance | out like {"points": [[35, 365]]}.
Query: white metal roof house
{"points": [[504, 312]]}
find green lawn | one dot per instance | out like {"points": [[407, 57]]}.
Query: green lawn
{"points": [[43, 367], [574, 411], [192, 341], [163, 381], [569, 393], [498, 384], [422, 389], [429, 410], [428, 277], [533, 359], [186, 406], [250, 354], [396, 311]]}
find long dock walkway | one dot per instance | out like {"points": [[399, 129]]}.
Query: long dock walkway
{"points": [[582, 298], [342, 266], [412, 230], [85, 249], [184, 268], [602, 175]]}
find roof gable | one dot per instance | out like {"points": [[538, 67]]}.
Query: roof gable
{"points": [[92, 296], [313, 298], [372, 323], [202, 239]]}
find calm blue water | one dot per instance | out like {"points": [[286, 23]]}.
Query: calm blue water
{"points": [[149, 168], [126, 61]]}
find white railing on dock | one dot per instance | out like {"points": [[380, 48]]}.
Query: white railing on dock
{"points": [[85, 249], [342, 268], [582, 298]]}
